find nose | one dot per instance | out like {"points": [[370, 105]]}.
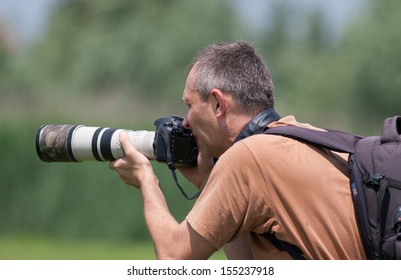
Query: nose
{"points": [[185, 122]]}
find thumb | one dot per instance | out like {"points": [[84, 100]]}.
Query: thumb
{"points": [[125, 143]]}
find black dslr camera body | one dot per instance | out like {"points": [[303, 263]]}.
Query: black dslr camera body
{"points": [[174, 144]]}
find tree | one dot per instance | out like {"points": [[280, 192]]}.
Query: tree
{"points": [[374, 49], [353, 84], [135, 46]]}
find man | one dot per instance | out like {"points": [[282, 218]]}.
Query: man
{"points": [[261, 188]]}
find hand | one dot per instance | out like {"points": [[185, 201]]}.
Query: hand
{"points": [[198, 175], [134, 169]]}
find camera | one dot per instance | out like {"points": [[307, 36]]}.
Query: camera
{"points": [[170, 143]]}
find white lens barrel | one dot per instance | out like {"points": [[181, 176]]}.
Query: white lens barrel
{"points": [[85, 143], [66, 143], [103, 144], [142, 140]]}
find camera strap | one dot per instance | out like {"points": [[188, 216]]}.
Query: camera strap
{"points": [[196, 195], [258, 124]]}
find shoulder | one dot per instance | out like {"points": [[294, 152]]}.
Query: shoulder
{"points": [[291, 121], [269, 144]]}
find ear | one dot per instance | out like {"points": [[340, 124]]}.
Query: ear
{"points": [[218, 101]]}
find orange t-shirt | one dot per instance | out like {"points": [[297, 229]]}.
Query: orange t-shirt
{"points": [[274, 184]]}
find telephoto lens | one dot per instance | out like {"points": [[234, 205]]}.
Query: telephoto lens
{"points": [[77, 143]]}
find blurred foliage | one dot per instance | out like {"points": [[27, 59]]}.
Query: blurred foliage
{"points": [[123, 63], [352, 83], [105, 63], [137, 46], [373, 49]]}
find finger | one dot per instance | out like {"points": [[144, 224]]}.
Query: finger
{"points": [[112, 165], [118, 163]]}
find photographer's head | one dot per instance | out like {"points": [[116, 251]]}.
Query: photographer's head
{"points": [[236, 69], [227, 85]]}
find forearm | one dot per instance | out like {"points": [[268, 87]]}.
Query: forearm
{"points": [[172, 240], [160, 222]]}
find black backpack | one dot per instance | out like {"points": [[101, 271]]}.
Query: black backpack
{"points": [[375, 182]]}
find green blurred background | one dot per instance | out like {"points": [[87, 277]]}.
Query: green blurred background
{"points": [[122, 64]]}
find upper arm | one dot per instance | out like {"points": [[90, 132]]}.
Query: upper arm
{"points": [[187, 244], [240, 248]]}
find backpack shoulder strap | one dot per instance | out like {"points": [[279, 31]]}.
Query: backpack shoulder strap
{"points": [[329, 139], [292, 250]]}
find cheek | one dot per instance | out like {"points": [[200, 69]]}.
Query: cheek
{"points": [[198, 118], [194, 117]]}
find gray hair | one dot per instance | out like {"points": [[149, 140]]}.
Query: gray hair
{"points": [[234, 68]]}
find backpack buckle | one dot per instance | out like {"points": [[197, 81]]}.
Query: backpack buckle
{"points": [[372, 179]]}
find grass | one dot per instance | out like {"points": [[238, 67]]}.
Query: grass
{"points": [[34, 248]]}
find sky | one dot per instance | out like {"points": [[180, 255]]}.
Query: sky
{"points": [[337, 13], [29, 17]]}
